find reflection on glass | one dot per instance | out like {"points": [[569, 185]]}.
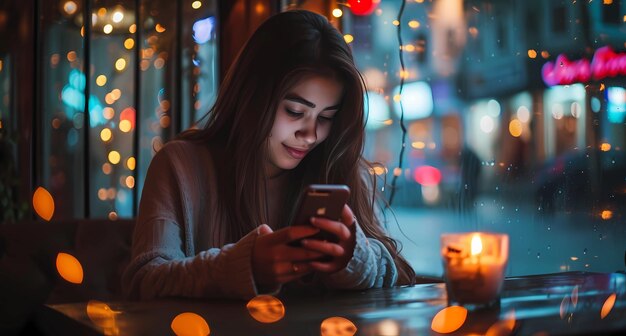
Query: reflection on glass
{"points": [[103, 316], [503, 327], [389, 328]]}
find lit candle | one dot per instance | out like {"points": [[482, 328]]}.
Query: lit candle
{"points": [[474, 265]]}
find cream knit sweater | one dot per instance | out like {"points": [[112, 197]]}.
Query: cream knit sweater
{"points": [[177, 251]]}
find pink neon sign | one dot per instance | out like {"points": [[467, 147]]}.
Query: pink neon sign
{"points": [[605, 63]]}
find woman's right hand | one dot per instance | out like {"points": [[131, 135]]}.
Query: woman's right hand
{"points": [[274, 262]]}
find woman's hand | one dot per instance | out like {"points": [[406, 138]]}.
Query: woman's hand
{"points": [[274, 262], [340, 252]]}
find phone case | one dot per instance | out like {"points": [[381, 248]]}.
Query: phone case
{"points": [[322, 200]]}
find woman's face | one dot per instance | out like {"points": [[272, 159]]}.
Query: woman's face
{"points": [[303, 120]]}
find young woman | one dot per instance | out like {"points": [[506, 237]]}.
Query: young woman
{"points": [[217, 202]]}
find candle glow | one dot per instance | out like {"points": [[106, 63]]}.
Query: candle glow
{"points": [[474, 265], [477, 244]]}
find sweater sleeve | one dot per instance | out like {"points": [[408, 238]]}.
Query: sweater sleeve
{"points": [[162, 263], [371, 266]]}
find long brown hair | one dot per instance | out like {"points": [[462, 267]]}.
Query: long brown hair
{"points": [[283, 49]]}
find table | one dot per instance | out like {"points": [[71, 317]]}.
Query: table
{"points": [[552, 304]]}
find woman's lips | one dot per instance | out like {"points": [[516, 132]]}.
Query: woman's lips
{"points": [[298, 154]]}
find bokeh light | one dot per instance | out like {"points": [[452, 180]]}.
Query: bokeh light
{"points": [[120, 64], [337, 326], [69, 268], [515, 128], [449, 319], [70, 7], [130, 182], [106, 134], [101, 80], [266, 309], [130, 163], [114, 157], [129, 43], [43, 203], [190, 324], [608, 306]]}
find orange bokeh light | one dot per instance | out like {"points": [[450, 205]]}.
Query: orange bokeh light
{"points": [[337, 326], [449, 319], [608, 305], [266, 309], [43, 203], [128, 114], [69, 268], [190, 324]]}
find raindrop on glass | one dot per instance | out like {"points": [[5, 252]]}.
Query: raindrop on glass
{"points": [[482, 204], [516, 209], [585, 251], [538, 255], [549, 247]]}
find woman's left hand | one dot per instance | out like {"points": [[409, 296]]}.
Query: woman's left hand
{"points": [[341, 252]]}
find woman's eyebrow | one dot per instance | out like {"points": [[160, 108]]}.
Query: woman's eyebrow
{"points": [[295, 98]]}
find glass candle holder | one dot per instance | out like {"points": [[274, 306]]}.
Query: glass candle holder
{"points": [[473, 265]]}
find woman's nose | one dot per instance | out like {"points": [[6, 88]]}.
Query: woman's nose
{"points": [[308, 131]]}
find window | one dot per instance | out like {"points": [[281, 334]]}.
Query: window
{"points": [[112, 93], [543, 163]]}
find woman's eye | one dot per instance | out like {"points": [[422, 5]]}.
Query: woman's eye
{"points": [[325, 118], [293, 113]]}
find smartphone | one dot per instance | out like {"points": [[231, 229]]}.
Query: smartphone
{"points": [[321, 200]]}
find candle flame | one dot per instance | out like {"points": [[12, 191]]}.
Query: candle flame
{"points": [[477, 244]]}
